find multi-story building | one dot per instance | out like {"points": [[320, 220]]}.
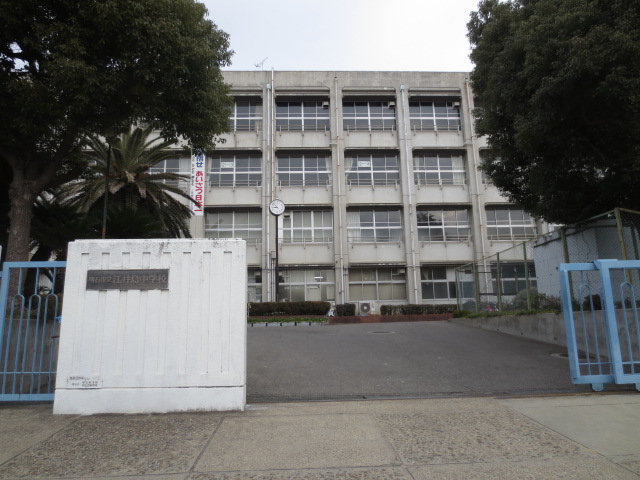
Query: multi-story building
{"points": [[378, 172]]}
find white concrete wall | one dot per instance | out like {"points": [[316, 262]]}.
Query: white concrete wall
{"points": [[141, 351]]}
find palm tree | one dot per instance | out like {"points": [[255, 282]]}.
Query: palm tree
{"points": [[132, 187]]}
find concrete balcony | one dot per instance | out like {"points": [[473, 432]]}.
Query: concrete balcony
{"points": [[370, 139], [432, 139], [374, 194], [376, 253], [228, 196], [241, 139], [303, 139], [442, 194], [439, 252], [299, 254], [306, 195]]}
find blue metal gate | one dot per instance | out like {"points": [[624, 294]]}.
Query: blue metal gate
{"points": [[30, 307], [600, 302]]}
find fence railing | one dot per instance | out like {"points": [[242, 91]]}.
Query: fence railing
{"points": [[525, 277]]}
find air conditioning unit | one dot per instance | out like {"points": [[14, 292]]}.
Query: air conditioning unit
{"points": [[325, 104], [365, 308], [392, 104], [456, 104]]}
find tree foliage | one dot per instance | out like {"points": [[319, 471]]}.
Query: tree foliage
{"points": [[558, 94], [71, 69], [133, 188]]}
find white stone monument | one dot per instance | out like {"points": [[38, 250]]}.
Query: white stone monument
{"points": [[153, 326]]}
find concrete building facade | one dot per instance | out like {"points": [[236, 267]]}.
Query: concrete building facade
{"points": [[379, 175]]}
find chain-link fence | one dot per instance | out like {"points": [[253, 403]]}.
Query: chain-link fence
{"points": [[525, 277]]}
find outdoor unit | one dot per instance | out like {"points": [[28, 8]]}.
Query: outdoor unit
{"points": [[365, 308], [392, 104], [325, 104]]}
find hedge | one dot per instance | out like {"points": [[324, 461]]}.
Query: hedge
{"points": [[346, 310], [257, 309], [419, 309]]}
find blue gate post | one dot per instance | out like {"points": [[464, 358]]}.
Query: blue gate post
{"points": [[611, 366], [615, 347], [23, 349]]}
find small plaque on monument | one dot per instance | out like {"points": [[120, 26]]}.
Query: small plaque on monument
{"points": [[128, 279]]}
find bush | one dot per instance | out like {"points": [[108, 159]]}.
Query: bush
{"points": [[288, 308], [597, 302], [461, 313], [346, 310], [417, 309]]}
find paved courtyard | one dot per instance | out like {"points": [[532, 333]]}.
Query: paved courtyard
{"points": [[419, 359]]}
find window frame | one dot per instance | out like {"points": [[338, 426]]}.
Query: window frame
{"points": [[429, 281], [327, 286], [251, 121], [424, 115], [236, 225], [255, 172], [431, 168], [361, 169], [373, 277], [318, 234], [368, 115], [517, 219], [302, 171], [375, 226], [184, 168], [447, 224], [304, 121]]}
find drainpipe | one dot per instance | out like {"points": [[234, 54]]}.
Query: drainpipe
{"points": [[338, 182], [403, 88], [480, 213], [267, 191]]}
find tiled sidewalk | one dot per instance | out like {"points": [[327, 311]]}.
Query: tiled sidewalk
{"points": [[593, 436]]}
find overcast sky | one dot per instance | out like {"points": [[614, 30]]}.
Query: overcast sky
{"points": [[427, 35]]}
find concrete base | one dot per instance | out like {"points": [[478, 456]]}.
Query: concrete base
{"points": [[148, 400]]}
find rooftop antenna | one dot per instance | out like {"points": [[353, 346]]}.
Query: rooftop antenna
{"points": [[260, 65]]}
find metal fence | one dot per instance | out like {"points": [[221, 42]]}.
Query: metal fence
{"points": [[525, 277]]}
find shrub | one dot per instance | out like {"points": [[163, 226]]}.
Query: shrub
{"points": [[597, 302], [416, 309], [346, 310], [461, 313], [288, 308]]}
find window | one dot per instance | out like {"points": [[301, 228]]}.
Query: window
{"points": [[438, 283], [374, 226], [236, 170], [372, 169], [302, 116], [244, 224], [435, 115], [178, 166], [316, 285], [509, 223], [254, 285], [377, 284], [246, 115], [439, 169], [486, 179], [513, 277], [443, 225], [303, 169], [369, 116], [307, 226]]}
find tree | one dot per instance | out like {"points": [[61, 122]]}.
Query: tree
{"points": [[71, 69], [558, 89], [132, 188]]}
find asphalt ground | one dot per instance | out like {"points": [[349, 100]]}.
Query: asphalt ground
{"points": [[399, 360]]}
